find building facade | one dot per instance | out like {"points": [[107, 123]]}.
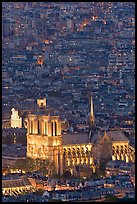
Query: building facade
{"points": [[73, 151], [44, 139], [16, 120], [114, 145], [17, 186]]}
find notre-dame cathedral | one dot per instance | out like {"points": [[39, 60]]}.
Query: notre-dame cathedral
{"points": [[46, 141]]}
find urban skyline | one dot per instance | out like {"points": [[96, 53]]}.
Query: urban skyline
{"points": [[74, 62]]}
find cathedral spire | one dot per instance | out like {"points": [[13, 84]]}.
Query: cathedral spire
{"points": [[92, 119], [92, 127]]}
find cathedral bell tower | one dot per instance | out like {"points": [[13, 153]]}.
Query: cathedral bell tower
{"points": [[92, 120], [44, 140]]}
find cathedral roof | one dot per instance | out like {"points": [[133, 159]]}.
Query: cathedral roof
{"points": [[81, 138], [75, 138], [115, 136]]}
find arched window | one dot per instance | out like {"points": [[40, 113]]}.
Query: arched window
{"points": [[82, 151], [38, 127], [78, 151], [69, 152], [45, 129], [55, 128], [39, 152], [64, 153], [52, 128], [31, 127], [74, 152]]}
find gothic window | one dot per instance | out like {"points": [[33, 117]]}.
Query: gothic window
{"points": [[55, 128], [45, 133], [69, 152], [31, 124], [52, 128], [39, 152], [74, 152], [117, 149], [38, 127], [113, 147], [78, 151], [82, 151], [64, 153], [121, 149]]}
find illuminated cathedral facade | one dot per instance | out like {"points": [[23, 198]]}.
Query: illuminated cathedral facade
{"points": [[68, 151]]}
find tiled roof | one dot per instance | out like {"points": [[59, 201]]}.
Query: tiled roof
{"points": [[113, 135], [22, 182], [75, 138], [117, 136], [81, 138]]}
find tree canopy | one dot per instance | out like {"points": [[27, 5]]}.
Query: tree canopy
{"points": [[30, 165]]}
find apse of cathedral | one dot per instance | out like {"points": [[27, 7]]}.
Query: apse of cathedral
{"points": [[68, 151]]}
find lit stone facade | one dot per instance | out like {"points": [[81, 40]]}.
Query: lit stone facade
{"points": [[44, 139], [16, 120], [120, 151], [41, 102], [112, 144], [77, 151], [78, 155], [68, 151], [123, 151]]}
